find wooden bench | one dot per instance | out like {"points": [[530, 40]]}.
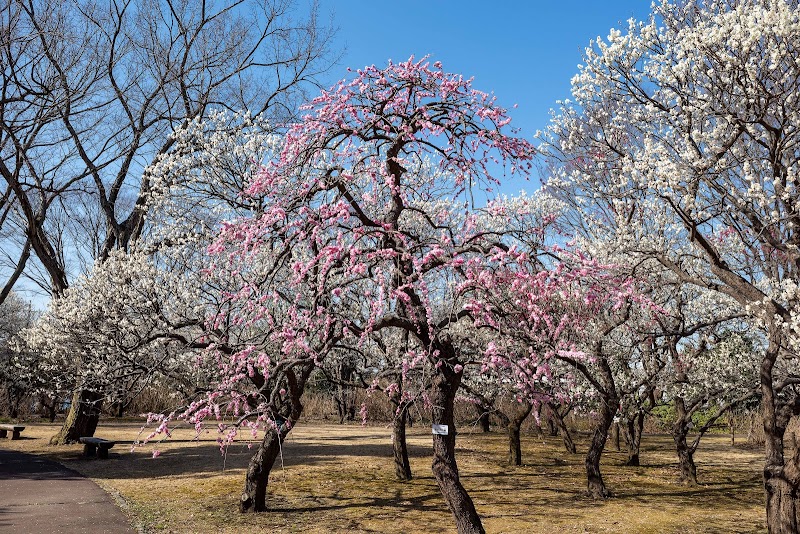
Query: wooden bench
{"points": [[96, 447], [15, 430]]}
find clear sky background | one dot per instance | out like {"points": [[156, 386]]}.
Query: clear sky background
{"points": [[526, 52]]}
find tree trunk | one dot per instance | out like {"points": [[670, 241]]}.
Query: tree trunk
{"points": [[780, 482], [483, 417], [688, 469], [540, 414], [518, 416], [781, 506], [49, 407], [634, 438], [345, 396], [615, 436], [13, 399], [781, 474], [402, 467], [514, 445], [82, 418], [680, 429], [562, 428], [254, 496], [552, 429], [596, 488], [445, 470]]}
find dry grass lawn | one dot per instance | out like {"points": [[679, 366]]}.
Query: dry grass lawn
{"points": [[340, 479]]}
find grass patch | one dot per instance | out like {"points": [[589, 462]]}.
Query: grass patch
{"points": [[335, 478]]}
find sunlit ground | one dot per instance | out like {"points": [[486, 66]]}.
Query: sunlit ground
{"points": [[335, 478]]}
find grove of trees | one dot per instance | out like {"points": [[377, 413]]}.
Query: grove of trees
{"points": [[207, 229]]}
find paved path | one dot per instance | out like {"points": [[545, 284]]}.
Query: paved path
{"points": [[38, 496]]}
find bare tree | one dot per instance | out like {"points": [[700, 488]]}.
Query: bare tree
{"points": [[89, 95]]}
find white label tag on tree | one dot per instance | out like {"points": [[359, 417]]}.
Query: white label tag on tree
{"points": [[440, 430]]}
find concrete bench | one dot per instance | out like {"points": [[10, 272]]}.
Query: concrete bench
{"points": [[15, 430], [96, 447]]}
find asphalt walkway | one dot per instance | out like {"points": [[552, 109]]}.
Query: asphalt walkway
{"points": [[39, 496]]}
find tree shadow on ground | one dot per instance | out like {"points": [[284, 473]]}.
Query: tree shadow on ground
{"points": [[16, 465], [207, 458]]}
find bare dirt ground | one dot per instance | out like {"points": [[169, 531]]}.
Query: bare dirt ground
{"points": [[334, 478]]}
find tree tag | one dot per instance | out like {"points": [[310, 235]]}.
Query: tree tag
{"points": [[440, 430]]}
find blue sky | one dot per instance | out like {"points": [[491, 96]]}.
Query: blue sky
{"points": [[526, 52]]}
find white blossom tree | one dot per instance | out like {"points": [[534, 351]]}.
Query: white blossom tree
{"points": [[139, 314], [693, 117], [15, 315]]}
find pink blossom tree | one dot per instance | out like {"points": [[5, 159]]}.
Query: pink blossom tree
{"points": [[564, 307], [368, 207]]}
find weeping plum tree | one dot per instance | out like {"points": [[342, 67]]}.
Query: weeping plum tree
{"points": [[363, 207]]}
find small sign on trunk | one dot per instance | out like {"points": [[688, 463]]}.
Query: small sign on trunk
{"points": [[440, 430]]}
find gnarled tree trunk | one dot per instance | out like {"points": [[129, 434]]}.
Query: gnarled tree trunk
{"points": [[596, 488], [254, 495], [609, 402], [82, 418], [680, 430], [445, 469], [781, 471], [686, 465]]}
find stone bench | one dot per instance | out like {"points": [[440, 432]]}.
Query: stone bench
{"points": [[96, 447], [15, 431]]}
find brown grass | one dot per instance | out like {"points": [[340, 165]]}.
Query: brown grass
{"points": [[340, 479]]}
